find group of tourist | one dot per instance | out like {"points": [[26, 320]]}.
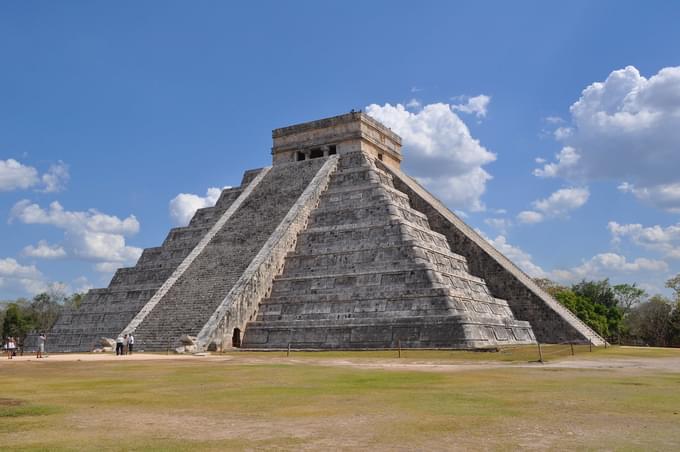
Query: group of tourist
{"points": [[125, 344], [11, 346]]}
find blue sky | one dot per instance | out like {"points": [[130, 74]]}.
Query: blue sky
{"points": [[551, 126]]}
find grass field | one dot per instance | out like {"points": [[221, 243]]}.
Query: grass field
{"points": [[619, 398]]}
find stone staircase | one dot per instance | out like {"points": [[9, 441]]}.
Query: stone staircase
{"points": [[198, 291], [105, 312], [368, 272]]}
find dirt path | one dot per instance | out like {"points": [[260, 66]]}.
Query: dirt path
{"points": [[626, 364]]}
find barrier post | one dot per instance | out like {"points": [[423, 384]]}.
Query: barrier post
{"points": [[571, 344], [590, 343], [540, 352], [399, 348], [288, 351]]}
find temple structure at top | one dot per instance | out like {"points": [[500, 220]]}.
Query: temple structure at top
{"points": [[344, 134]]}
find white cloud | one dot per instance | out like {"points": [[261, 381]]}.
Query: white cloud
{"points": [[14, 175], [44, 251], [529, 217], [567, 158], [606, 265], [414, 103], [518, 256], [665, 240], [55, 178], [625, 129], [90, 235], [440, 152], [82, 284], [185, 205], [562, 133], [562, 201], [25, 278], [558, 204], [476, 105], [554, 120], [663, 196], [500, 224]]}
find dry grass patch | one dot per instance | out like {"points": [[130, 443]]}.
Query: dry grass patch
{"points": [[264, 401]]}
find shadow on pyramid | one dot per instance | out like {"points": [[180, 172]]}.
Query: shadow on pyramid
{"points": [[332, 247]]}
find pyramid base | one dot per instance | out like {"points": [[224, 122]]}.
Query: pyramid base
{"points": [[454, 332]]}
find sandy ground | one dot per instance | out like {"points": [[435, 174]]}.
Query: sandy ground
{"points": [[578, 362]]}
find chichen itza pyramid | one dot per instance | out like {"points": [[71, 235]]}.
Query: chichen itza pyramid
{"points": [[332, 247]]}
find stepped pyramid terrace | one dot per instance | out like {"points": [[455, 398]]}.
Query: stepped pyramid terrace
{"points": [[331, 247]]}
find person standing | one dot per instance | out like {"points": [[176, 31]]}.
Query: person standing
{"points": [[119, 345], [12, 347], [131, 343], [41, 345]]}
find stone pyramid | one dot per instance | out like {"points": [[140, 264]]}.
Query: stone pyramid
{"points": [[332, 247]]}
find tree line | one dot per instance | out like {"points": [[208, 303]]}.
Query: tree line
{"points": [[22, 316], [622, 313]]}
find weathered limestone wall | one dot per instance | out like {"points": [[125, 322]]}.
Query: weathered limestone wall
{"points": [[352, 132], [368, 272], [193, 297], [195, 253], [243, 300], [551, 322], [105, 312]]}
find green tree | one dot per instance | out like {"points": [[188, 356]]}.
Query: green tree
{"points": [[45, 309], [16, 322], [603, 298], [593, 314], [74, 301], [627, 296], [600, 292], [674, 326], [651, 321], [674, 283], [549, 285]]}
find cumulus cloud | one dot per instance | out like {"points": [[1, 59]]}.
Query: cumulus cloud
{"points": [[44, 250], [605, 265], [558, 204], [565, 160], [663, 196], [82, 284], [26, 278], [476, 105], [500, 224], [14, 175], [664, 240], [55, 178], [440, 152], [17, 176], [414, 103], [185, 205], [562, 201], [625, 129], [89, 235], [529, 217]]}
